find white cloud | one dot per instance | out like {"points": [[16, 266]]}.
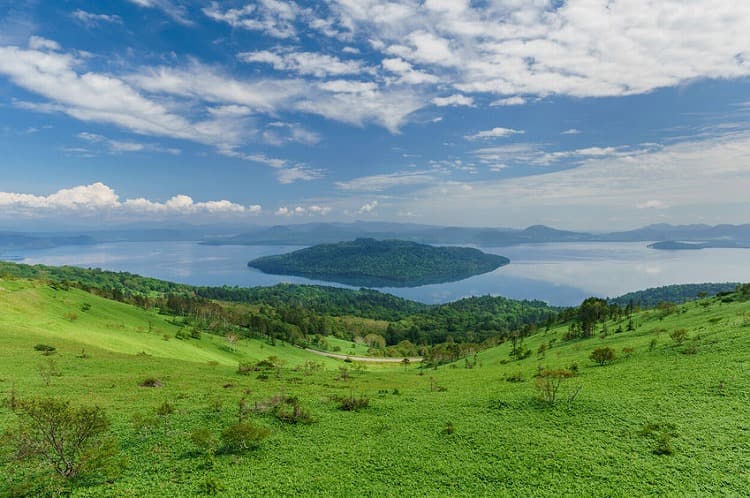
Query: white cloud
{"points": [[454, 101], [305, 63], [571, 131], [378, 183], [652, 204], [176, 12], [698, 179], [314, 210], [298, 173], [120, 146], [582, 48], [406, 72], [494, 133], [368, 207], [275, 18], [43, 44], [509, 101], [99, 198], [91, 19]]}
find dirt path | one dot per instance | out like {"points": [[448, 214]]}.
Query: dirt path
{"points": [[368, 359]]}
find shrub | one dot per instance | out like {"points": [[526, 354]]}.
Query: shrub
{"points": [[679, 336], [516, 377], [45, 349], [242, 437], [602, 356], [662, 435], [353, 404], [548, 383], [164, 409], [628, 352], [291, 411], [85, 307], [203, 439], [449, 428], [69, 440], [151, 382]]}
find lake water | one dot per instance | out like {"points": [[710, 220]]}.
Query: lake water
{"points": [[560, 273]]}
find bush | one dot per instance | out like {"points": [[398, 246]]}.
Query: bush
{"points": [[291, 411], [242, 437], [662, 435], [548, 383], [45, 349], [449, 428], [151, 382], [516, 377], [70, 440], [164, 409], [352, 404], [679, 336], [203, 439], [602, 356]]}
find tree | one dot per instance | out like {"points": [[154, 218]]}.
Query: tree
{"points": [[591, 311], [68, 439]]}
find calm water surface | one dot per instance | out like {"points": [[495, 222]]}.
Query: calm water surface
{"points": [[559, 273]]}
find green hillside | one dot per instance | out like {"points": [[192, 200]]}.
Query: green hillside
{"points": [[386, 263], [668, 416]]}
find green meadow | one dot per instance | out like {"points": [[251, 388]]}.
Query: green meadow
{"points": [[669, 415]]}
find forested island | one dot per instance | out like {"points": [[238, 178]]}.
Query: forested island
{"points": [[673, 245], [368, 262]]}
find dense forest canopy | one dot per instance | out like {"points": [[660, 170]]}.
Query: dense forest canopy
{"points": [[387, 263]]}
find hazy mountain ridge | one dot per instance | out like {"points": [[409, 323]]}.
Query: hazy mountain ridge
{"points": [[324, 233]]}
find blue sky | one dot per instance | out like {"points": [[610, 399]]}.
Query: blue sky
{"points": [[586, 114]]}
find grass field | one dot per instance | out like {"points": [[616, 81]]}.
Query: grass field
{"points": [[451, 431]]}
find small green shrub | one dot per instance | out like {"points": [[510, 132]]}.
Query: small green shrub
{"points": [[679, 336], [449, 428], [602, 356], [164, 409], [45, 349], [242, 437], [151, 382], [71, 441], [203, 439], [352, 404]]}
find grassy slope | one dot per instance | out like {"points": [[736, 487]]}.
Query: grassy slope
{"points": [[504, 442]]}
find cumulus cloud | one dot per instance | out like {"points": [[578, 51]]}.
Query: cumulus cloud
{"points": [[99, 198], [581, 48], [314, 210]]}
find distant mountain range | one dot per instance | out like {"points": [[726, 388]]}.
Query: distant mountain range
{"points": [[320, 233], [672, 237]]}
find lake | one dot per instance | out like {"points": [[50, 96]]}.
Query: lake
{"points": [[560, 273]]}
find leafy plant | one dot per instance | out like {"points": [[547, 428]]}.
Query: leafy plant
{"points": [[69, 440], [602, 356]]}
